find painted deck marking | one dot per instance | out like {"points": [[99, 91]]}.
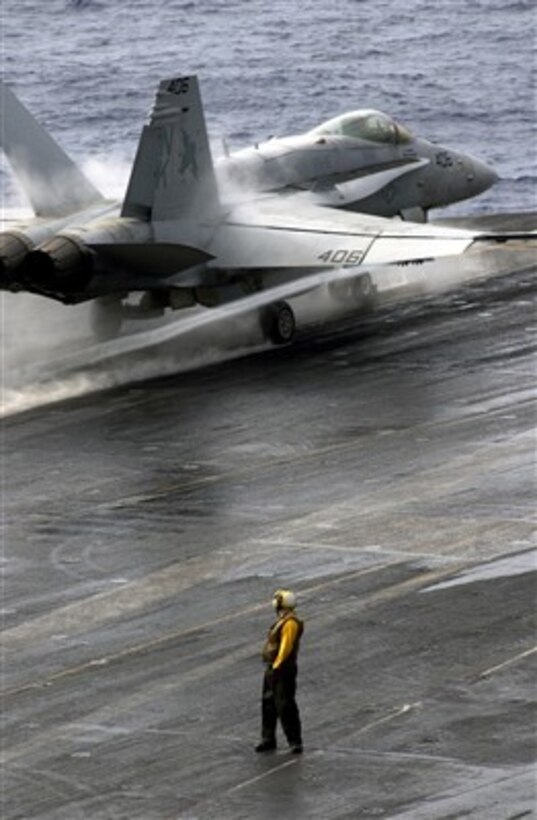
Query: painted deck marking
{"points": [[508, 662], [252, 780]]}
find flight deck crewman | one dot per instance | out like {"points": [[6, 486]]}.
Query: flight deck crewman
{"points": [[279, 654]]}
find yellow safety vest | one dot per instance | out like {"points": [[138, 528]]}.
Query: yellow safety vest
{"points": [[271, 647]]}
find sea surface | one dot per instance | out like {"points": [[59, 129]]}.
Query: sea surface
{"points": [[461, 72]]}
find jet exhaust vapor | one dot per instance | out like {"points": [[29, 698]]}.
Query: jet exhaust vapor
{"points": [[182, 237], [65, 365]]}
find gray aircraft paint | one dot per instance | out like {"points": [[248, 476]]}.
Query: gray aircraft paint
{"points": [[176, 231]]}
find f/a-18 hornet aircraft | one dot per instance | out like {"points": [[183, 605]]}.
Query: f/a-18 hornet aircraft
{"points": [[191, 232]]}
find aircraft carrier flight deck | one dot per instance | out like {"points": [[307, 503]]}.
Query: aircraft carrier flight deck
{"points": [[385, 471]]}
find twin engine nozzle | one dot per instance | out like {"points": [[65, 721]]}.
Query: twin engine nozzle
{"points": [[61, 264]]}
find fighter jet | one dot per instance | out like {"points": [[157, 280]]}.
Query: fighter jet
{"points": [[361, 161], [180, 238]]}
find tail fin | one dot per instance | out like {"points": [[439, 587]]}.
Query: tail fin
{"points": [[52, 182], [173, 174]]}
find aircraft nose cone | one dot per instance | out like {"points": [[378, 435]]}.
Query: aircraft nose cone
{"points": [[481, 176]]}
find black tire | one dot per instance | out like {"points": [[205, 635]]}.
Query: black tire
{"points": [[363, 291], [106, 317], [278, 323]]}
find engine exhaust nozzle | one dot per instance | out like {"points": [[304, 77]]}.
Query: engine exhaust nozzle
{"points": [[14, 248], [60, 265]]}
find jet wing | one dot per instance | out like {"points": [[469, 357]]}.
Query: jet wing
{"points": [[273, 233]]}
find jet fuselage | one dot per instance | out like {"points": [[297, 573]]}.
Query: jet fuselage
{"points": [[363, 161]]}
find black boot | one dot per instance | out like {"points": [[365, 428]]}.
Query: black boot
{"points": [[266, 746]]}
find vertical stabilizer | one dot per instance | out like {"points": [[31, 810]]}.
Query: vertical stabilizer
{"points": [[52, 182], [173, 174]]}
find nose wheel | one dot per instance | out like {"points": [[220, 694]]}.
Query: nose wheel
{"points": [[278, 323]]}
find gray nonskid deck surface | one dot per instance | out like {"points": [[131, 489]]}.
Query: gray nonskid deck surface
{"points": [[146, 528]]}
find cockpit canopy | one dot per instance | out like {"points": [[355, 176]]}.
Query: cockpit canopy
{"points": [[370, 125]]}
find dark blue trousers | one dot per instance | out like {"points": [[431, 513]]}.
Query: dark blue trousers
{"points": [[278, 703]]}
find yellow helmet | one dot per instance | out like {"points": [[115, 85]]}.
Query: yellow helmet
{"points": [[284, 599]]}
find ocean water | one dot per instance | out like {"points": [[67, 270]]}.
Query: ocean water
{"points": [[461, 72]]}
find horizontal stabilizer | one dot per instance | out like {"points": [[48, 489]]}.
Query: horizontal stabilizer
{"points": [[50, 179], [155, 258]]}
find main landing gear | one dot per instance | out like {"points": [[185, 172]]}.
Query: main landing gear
{"points": [[106, 316], [107, 313], [357, 293], [278, 323]]}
